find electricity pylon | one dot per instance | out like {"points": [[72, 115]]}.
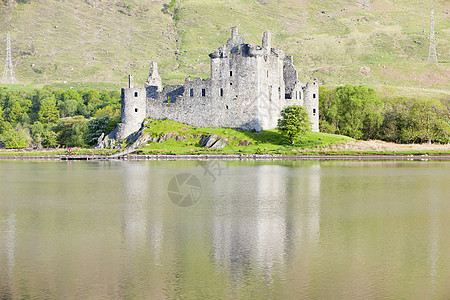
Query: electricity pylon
{"points": [[8, 72], [432, 57]]}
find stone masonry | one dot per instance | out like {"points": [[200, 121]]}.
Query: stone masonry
{"points": [[248, 88]]}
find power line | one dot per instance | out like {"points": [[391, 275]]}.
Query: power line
{"points": [[432, 57], [8, 72]]}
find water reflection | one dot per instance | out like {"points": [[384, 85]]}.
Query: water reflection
{"points": [[136, 194], [280, 230], [10, 241], [281, 212], [434, 247]]}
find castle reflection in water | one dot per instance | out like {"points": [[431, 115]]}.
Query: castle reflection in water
{"points": [[278, 229]]}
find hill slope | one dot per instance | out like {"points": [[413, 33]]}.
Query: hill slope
{"points": [[382, 43]]}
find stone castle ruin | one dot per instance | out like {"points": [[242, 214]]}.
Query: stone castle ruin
{"points": [[248, 88]]}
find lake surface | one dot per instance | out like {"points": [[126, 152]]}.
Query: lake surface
{"points": [[227, 230]]}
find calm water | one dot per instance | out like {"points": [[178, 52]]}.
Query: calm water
{"points": [[321, 230]]}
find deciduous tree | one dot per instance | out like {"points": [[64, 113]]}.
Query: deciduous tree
{"points": [[294, 121]]}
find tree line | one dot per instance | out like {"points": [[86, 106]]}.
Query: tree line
{"points": [[360, 112], [67, 118], [53, 117]]}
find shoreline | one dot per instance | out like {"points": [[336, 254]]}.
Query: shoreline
{"points": [[236, 157]]}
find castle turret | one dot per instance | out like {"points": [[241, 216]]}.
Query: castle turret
{"points": [[134, 110]]}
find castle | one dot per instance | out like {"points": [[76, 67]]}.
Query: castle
{"points": [[248, 88]]}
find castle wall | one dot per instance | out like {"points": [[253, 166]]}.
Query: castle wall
{"points": [[170, 93], [271, 89], [290, 75], [203, 106]]}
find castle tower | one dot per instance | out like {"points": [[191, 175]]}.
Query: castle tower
{"points": [[311, 103], [134, 110]]}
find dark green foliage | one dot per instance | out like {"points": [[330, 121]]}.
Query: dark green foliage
{"points": [[294, 121], [71, 131], [95, 128]]}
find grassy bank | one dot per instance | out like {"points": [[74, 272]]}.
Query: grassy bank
{"points": [[172, 138], [186, 140]]}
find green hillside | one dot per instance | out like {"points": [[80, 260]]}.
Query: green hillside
{"points": [[381, 43]]}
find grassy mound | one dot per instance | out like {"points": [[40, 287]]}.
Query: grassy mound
{"points": [[186, 140]]}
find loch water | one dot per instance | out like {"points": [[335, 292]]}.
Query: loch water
{"points": [[224, 230]]}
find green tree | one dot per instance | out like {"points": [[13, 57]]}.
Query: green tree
{"points": [[37, 132], [71, 131], [14, 138], [395, 119], [328, 110], [294, 121], [49, 139], [15, 113], [95, 128], [91, 97], [48, 112], [108, 110], [2, 120], [78, 133], [359, 111], [428, 121], [67, 108]]}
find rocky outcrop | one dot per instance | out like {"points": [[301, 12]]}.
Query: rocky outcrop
{"points": [[244, 143], [108, 141], [213, 141]]}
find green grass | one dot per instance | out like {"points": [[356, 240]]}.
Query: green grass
{"points": [[264, 142], [104, 41]]}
